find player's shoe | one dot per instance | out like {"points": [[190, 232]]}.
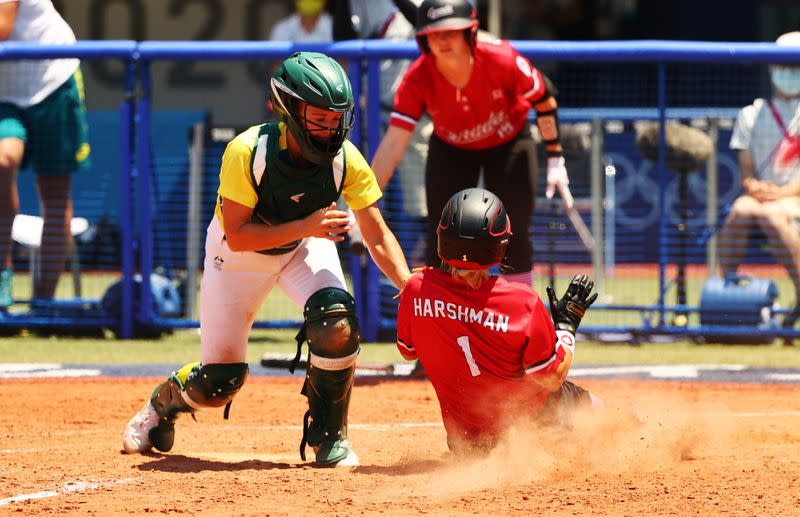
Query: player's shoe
{"points": [[147, 430], [335, 453], [6, 288]]}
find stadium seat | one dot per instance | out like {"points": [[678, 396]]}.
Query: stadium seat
{"points": [[27, 231]]}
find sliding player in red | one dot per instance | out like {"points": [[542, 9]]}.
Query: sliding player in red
{"points": [[489, 346]]}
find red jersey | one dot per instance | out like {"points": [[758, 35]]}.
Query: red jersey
{"points": [[478, 348], [489, 111]]}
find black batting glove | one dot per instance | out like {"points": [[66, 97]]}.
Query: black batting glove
{"points": [[569, 310]]}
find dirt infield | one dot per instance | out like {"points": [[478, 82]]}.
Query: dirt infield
{"points": [[703, 449]]}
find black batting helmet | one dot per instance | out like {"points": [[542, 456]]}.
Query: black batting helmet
{"points": [[474, 230], [446, 15]]}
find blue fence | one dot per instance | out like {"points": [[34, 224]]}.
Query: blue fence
{"points": [[136, 147]]}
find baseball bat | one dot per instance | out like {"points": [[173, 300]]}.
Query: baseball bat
{"points": [[580, 227], [585, 235]]}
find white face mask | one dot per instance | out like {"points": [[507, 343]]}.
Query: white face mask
{"points": [[786, 79]]}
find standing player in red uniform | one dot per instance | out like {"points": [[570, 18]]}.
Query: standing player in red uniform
{"points": [[489, 346], [478, 95]]}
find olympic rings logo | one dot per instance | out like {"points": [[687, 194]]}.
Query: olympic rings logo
{"points": [[637, 191]]}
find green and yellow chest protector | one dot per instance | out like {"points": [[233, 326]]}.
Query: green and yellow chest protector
{"points": [[287, 192]]}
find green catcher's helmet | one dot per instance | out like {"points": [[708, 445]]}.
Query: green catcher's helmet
{"points": [[316, 80]]}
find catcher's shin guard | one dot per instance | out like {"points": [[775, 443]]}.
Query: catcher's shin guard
{"points": [[190, 388], [332, 331], [328, 393]]}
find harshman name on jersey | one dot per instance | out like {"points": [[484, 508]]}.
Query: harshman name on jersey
{"points": [[425, 307]]}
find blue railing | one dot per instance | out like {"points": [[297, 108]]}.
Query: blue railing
{"points": [[135, 133]]}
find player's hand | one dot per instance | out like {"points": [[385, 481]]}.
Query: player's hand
{"points": [[569, 310], [760, 190], [327, 223], [557, 178]]}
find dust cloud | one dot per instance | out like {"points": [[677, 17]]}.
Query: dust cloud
{"points": [[647, 433]]}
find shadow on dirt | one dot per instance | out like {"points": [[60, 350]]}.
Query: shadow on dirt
{"points": [[180, 463], [404, 469]]}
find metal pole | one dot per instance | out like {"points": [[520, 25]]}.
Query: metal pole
{"points": [[712, 197], [610, 241], [663, 240], [495, 21], [679, 318], [356, 72], [193, 227], [143, 155], [596, 171], [372, 287], [127, 122]]}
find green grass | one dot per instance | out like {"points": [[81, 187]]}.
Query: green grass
{"points": [[184, 346], [643, 290]]}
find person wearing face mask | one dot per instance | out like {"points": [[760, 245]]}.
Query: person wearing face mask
{"points": [[767, 138], [309, 24]]}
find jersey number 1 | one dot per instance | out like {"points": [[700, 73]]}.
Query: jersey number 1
{"points": [[463, 342]]}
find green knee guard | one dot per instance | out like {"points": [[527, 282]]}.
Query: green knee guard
{"points": [[190, 388]]}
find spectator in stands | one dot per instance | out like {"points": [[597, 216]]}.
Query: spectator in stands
{"points": [[308, 24], [767, 136], [478, 95], [42, 123]]}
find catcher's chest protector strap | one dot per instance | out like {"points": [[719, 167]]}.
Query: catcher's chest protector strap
{"points": [[286, 192]]}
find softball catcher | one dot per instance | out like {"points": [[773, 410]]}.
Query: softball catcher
{"points": [[276, 223]]}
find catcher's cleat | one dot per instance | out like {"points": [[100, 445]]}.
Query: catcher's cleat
{"points": [[137, 433], [147, 430], [335, 453]]}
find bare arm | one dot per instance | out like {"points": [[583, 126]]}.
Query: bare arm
{"points": [[761, 190], [242, 234], [554, 381], [567, 314], [8, 16], [382, 245], [746, 168], [791, 189], [389, 153]]}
